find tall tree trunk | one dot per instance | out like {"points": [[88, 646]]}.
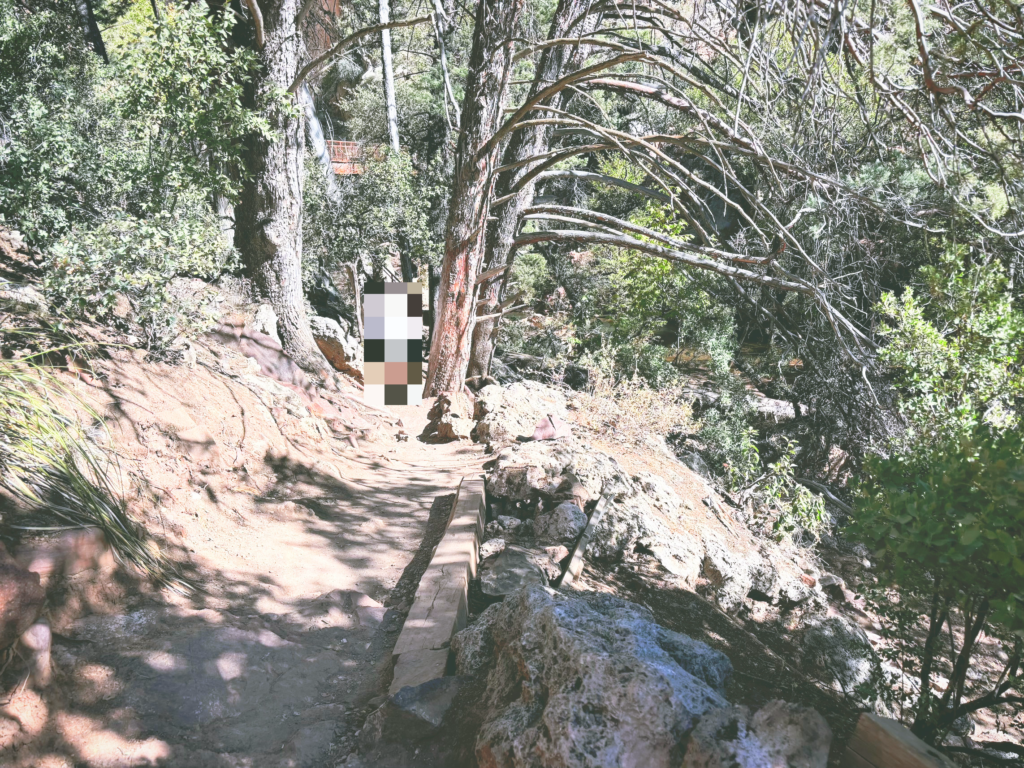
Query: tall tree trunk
{"points": [[268, 216], [524, 144], [92, 29], [408, 273], [490, 65], [389, 76]]}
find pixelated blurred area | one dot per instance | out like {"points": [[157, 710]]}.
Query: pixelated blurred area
{"points": [[393, 343]]}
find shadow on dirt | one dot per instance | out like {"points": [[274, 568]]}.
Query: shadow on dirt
{"points": [[214, 680]]}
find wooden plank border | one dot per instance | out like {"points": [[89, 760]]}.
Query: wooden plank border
{"points": [[441, 605]]}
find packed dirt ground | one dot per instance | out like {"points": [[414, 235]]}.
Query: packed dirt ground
{"points": [[305, 550]]}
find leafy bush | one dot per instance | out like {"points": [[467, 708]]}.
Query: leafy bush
{"points": [[798, 509], [949, 534], [81, 142], [183, 87], [955, 351], [93, 272], [61, 149]]}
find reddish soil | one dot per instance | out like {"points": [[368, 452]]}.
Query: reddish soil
{"points": [[307, 551]]}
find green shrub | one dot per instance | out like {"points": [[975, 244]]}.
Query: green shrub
{"points": [[183, 83], [948, 534], [81, 142], [955, 350], [92, 272], [531, 275], [62, 151]]}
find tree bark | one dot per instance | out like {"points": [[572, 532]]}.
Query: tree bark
{"points": [[524, 144], [490, 66], [389, 76], [92, 29], [268, 216], [391, 102]]}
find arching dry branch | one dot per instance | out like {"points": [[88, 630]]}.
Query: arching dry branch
{"points": [[748, 112]]}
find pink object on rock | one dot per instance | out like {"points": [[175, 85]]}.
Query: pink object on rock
{"points": [[551, 428]]}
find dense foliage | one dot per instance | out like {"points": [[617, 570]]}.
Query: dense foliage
{"points": [[739, 210], [111, 168], [949, 533]]}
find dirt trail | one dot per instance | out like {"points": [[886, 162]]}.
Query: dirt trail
{"points": [[309, 558]]}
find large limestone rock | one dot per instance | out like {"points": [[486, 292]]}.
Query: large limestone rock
{"points": [[579, 682], [506, 413], [563, 524], [21, 599], [635, 520], [341, 349], [513, 568], [522, 472], [837, 651], [644, 514], [779, 735]]}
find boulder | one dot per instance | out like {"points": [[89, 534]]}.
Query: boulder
{"points": [[600, 474], [513, 568], [453, 428], [557, 554], [522, 472], [21, 599], [733, 572], [551, 428], [583, 682], [838, 652], [342, 350], [492, 547], [634, 523], [644, 514], [779, 735], [563, 524], [571, 489], [504, 526], [506, 413]]}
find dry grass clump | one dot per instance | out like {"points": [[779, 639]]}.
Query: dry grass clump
{"points": [[631, 411], [68, 481]]}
